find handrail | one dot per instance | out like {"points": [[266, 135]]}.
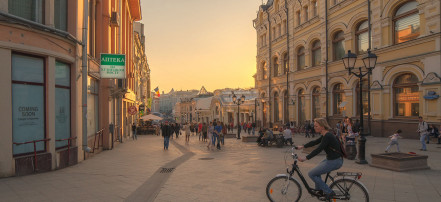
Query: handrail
{"points": [[100, 135], [35, 149], [69, 142]]}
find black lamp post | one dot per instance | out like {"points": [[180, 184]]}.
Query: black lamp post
{"points": [[238, 102], [369, 64], [255, 109]]}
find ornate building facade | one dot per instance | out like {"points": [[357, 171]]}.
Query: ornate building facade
{"points": [[300, 74]]}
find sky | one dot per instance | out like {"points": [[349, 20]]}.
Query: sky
{"points": [[195, 43]]}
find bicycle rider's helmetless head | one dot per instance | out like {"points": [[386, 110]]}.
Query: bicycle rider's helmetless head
{"points": [[320, 124]]}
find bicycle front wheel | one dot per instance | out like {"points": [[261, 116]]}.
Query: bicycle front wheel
{"points": [[282, 189], [349, 190]]}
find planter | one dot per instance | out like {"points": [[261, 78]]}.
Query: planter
{"points": [[399, 161]]}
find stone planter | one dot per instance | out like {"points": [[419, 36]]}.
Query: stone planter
{"points": [[399, 161]]}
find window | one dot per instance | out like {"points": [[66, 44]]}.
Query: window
{"points": [[406, 22], [301, 58], [298, 18], [338, 93], [92, 30], [364, 96], [279, 30], [274, 33], [92, 106], [276, 107], [316, 102], [276, 66], [302, 114], [285, 106], [337, 43], [62, 103], [316, 53], [406, 96], [314, 8], [60, 15], [28, 9], [285, 63], [362, 37], [264, 70], [28, 103], [306, 13]]}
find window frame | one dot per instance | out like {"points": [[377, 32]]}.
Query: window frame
{"points": [[301, 54], [313, 49], [315, 109], [406, 85], [301, 101], [335, 91], [358, 32], [275, 66], [70, 99], [276, 106], [335, 41], [285, 63], [396, 18]]}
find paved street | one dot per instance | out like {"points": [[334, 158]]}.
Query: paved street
{"points": [[239, 172]]}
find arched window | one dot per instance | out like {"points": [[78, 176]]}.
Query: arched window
{"points": [[264, 70], [338, 94], [406, 95], [364, 98], [276, 107], [285, 106], [406, 22], [301, 58], [362, 37], [316, 53], [285, 63], [301, 101], [316, 102], [337, 43], [276, 66]]}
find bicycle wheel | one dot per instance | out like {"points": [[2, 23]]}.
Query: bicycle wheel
{"points": [[281, 189], [349, 190]]}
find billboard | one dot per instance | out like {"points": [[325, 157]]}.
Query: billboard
{"points": [[113, 66]]}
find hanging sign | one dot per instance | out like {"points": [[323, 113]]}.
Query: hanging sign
{"points": [[113, 66]]}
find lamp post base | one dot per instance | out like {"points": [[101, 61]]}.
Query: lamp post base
{"points": [[361, 150]]}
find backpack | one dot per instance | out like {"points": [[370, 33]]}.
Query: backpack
{"points": [[342, 149]]}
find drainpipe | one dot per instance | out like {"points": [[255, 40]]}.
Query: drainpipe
{"points": [[326, 62], [269, 67], [287, 53], [368, 75], [84, 78]]}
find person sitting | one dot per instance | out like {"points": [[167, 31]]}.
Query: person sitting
{"points": [[260, 138], [287, 134], [434, 132]]}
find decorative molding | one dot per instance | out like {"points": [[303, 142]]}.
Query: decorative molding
{"points": [[431, 78], [376, 85]]}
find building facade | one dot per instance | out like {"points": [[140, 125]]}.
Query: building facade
{"points": [[300, 75]]}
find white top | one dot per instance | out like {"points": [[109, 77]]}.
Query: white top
{"points": [[394, 137], [287, 133], [422, 127]]}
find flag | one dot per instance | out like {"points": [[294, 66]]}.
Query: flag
{"points": [[157, 92], [156, 89]]}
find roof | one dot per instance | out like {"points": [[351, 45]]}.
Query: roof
{"points": [[203, 103]]}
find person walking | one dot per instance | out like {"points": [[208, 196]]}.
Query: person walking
{"points": [[166, 132], [253, 125], [200, 131], [210, 131], [394, 140], [422, 130], [134, 132], [224, 132], [218, 133], [307, 129], [187, 132], [204, 132]]}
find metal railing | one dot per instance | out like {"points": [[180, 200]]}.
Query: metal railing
{"points": [[98, 134], [69, 143], [35, 149]]}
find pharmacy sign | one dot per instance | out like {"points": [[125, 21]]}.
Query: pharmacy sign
{"points": [[113, 66]]}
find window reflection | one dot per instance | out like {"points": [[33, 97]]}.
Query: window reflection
{"points": [[406, 96]]}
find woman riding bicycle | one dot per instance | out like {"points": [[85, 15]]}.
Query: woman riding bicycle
{"points": [[328, 142]]}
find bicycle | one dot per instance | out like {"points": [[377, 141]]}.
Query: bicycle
{"points": [[284, 187]]}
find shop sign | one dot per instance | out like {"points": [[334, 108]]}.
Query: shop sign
{"points": [[408, 97], [113, 66], [431, 95], [132, 110]]}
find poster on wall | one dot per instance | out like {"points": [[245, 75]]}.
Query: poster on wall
{"points": [[113, 66], [27, 117]]}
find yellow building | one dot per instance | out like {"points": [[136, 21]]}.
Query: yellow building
{"points": [[300, 74]]}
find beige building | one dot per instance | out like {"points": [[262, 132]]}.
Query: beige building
{"points": [[300, 75]]}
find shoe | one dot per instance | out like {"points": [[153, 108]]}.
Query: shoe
{"points": [[330, 196], [317, 192]]}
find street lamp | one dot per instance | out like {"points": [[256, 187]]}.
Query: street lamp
{"points": [[238, 102], [255, 109], [369, 64]]}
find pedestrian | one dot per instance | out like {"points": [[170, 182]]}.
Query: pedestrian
{"points": [[177, 129], [239, 128], [422, 130], [338, 130], [187, 132], [307, 129], [200, 130], [204, 132], [287, 134], [311, 126], [394, 140], [166, 132], [134, 132], [253, 125], [217, 134], [224, 132], [350, 140], [210, 135]]}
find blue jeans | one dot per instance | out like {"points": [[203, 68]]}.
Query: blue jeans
{"points": [[423, 141], [222, 139], [134, 134], [215, 137], [322, 168], [166, 142]]}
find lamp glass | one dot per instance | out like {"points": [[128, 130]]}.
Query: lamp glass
{"points": [[234, 98], [349, 60], [370, 61]]}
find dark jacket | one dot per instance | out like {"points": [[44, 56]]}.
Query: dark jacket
{"points": [[326, 142], [166, 131]]}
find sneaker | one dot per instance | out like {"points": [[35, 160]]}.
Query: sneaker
{"points": [[330, 196]]}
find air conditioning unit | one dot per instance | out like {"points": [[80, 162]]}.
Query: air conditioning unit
{"points": [[114, 19]]}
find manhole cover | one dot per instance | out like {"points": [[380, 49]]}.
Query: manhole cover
{"points": [[167, 170], [206, 158]]}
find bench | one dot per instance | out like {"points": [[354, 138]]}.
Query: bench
{"points": [[249, 138]]}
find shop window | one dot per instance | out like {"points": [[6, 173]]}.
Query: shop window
{"points": [[406, 22], [362, 37], [28, 103], [92, 106], [316, 102], [28, 9], [338, 94], [62, 103], [406, 96], [337, 43]]}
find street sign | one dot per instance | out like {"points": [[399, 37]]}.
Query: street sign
{"points": [[141, 107], [132, 110], [113, 66]]}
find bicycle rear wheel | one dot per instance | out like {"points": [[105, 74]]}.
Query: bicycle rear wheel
{"points": [[281, 189], [349, 190]]}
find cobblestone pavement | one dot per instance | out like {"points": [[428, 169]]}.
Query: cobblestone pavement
{"points": [[240, 171]]}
